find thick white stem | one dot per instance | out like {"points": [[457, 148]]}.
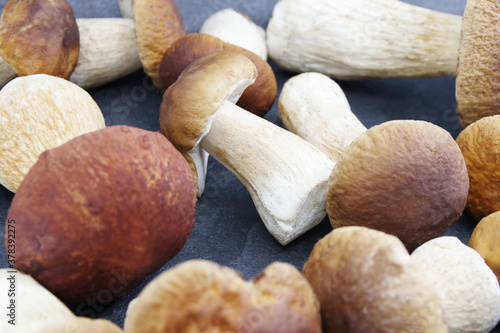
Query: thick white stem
{"points": [[363, 38], [286, 176]]}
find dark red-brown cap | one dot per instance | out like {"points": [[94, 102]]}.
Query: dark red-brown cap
{"points": [[39, 37], [258, 98]]}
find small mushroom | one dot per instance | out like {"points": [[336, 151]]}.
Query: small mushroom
{"points": [[480, 145], [485, 239], [363, 38], [258, 98], [82, 325], [285, 175], [366, 281], [98, 214], [39, 37], [32, 305], [234, 27], [468, 289], [40, 112], [202, 296]]}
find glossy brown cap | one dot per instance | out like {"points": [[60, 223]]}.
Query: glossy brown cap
{"points": [[202, 296], [258, 98], [39, 37], [95, 216], [480, 145], [366, 281], [406, 178], [478, 79], [158, 23]]}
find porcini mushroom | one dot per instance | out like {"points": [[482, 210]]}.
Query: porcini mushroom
{"points": [[40, 112], [285, 175], [234, 27], [202, 296], [366, 281], [485, 239], [363, 39], [469, 291], [98, 214]]}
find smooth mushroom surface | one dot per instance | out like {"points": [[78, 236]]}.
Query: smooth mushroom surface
{"points": [[106, 210], [485, 239], [469, 291], [366, 281], [39, 37], [202, 296], [40, 112]]}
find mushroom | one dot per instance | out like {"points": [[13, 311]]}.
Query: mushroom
{"points": [[468, 289], [400, 163], [285, 175], [480, 145], [40, 112], [363, 39], [366, 281], [82, 325], [485, 239], [27, 304], [258, 98], [95, 216], [234, 27], [477, 84], [202, 296]]}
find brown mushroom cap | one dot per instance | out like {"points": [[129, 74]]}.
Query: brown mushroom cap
{"points": [[158, 23], [97, 215], [485, 239], [39, 37], [480, 145], [202, 296], [406, 178], [366, 281], [258, 98], [477, 79], [82, 325]]}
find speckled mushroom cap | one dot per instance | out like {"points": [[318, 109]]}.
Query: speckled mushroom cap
{"points": [[485, 239], [158, 23], [477, 79], [258, 98], [82, 325], [189, 105], [469, 291], [39, 36], [40, 112], [202, 296], [366, 281], [406, 178], [480, 145], [97, 215]]}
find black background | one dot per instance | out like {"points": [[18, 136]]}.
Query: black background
{"points": [[228, 229]]}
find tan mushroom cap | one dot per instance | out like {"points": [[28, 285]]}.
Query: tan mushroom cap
{"points": [[82, 325], [202, 296], [39, 36], [477, 79], [258, 98], [406, 178], [366, 281], [158, 23], [485, 239], [480, 144], [40, 112]]}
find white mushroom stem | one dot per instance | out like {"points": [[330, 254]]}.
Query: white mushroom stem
{"points": [[314, 107], [108, 51], [232, 26], [363, 38], [286, 176]]}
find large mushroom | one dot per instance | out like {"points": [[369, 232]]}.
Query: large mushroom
{"points": [[285, 175]]}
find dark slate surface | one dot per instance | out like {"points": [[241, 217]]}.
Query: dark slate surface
{"points": [[228, 229]]}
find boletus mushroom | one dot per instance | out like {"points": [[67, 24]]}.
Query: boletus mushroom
{"points": [[202, 296], [40, 112], [485, 239], [98, 214], [366, 281], [469, 291], [285, 175]]}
